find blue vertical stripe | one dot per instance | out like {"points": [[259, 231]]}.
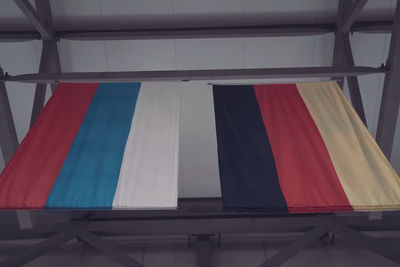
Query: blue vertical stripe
{"points": [[90, 172], [249, 179]]}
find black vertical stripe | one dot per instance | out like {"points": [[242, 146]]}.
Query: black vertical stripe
{"points": [[247, 169]]}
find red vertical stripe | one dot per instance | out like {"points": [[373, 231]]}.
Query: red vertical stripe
{"points": [[29, 176], [306, 174]]}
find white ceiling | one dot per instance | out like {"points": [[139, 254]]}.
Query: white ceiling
{"points": [[198, 173], [70, 14]]}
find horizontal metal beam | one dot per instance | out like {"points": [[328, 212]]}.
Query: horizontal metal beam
{"points": [[207, 225], [203, 226], [189, 33], [19, 36], [297, 29], [185, 75], [40, 25], [383, 26]]}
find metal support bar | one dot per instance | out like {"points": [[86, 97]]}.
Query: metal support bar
{"points": [[108, 249], [389, 108], [338, 58], [54, 64], [298, 245], [38, 249], [215, 74], [351, 15], [8, 135], [203, 251], [40, 25], [296, 29]]}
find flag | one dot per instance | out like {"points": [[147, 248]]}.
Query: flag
{"points": [[111, 145], [298, 148]]}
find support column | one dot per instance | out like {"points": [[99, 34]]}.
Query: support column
{"points": [[342, 54], [203, 251], [49, 60], [8, 135], [389, 109]]}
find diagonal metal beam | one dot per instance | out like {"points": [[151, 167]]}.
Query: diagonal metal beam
{"points": [[8, 135], [350, 16], [108, 249], [38, 249], [299, 244], [365, 241], [389, 108], [40, 25]]}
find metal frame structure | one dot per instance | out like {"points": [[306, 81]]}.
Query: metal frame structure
{"points": [[204, 217]]}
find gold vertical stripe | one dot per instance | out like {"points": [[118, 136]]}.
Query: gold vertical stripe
{"points": [[367, 177]]}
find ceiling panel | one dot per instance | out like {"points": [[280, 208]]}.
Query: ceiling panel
{"points": [[137, 13], [279, 52], [377, 10], [283, 11], [141, 55], [76, 14], [195, 13], [82, 56], [209, 53], [323, 50], [11, 17]]}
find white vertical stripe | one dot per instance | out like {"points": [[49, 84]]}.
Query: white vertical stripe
{"points": [[149, 171]]}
